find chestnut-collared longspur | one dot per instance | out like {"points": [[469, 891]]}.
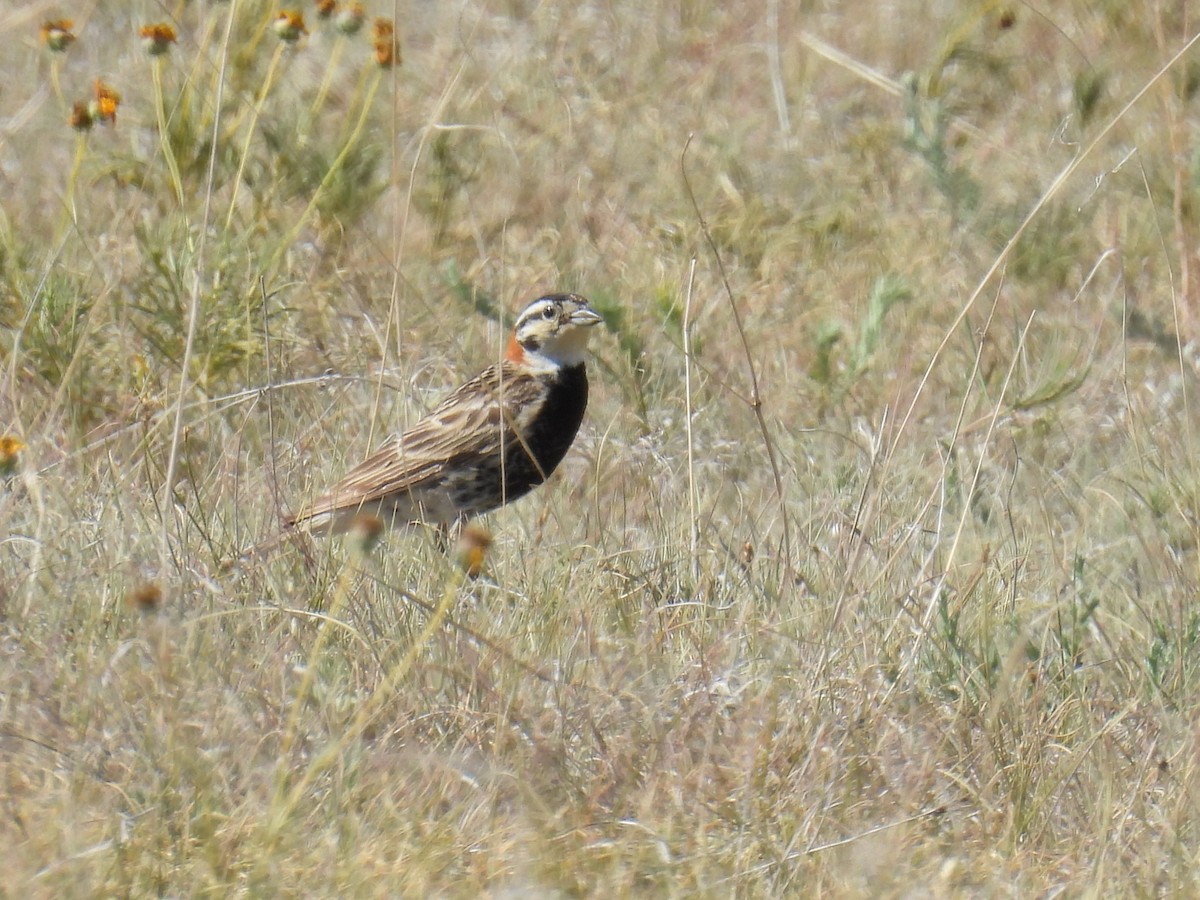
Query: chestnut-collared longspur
{"points": [[491, 441]]}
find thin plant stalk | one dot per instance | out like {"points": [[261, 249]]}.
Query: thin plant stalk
{"points": [[691, 447], [335, 55], [56, 82], [351, 141], [340, 592], [272, 69], [69, 212], [164, 137]]}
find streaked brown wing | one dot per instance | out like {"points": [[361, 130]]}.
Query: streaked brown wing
{"points": [[464, 427]]}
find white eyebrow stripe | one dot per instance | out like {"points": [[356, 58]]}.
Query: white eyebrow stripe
{"points": [[534, 310]]}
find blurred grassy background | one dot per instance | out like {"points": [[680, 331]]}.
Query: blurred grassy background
{"points": [[950, 650]]}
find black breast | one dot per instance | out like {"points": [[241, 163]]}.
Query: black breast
{"points": [[548, 436]]}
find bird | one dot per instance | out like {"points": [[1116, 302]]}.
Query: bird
{"points": [[490, 442]]}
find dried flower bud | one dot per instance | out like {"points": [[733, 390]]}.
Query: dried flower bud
{"points": [[350, 19], [10, 451], [157, 39], [289, 26], [81, 116], [473, 544], [57, 35], [146, 598], [387, 47], [103, 107], [365, 532]]}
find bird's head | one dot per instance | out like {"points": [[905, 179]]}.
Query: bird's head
{"points": [[552, 331]]}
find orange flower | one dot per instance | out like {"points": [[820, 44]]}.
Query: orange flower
{"points": [[81, 116], [10, 448], [104, 107], [473, 544], [57, 36], [326, 8], [157, 39], [387, 48], [350, 19], [289, 26], [382, 30]]}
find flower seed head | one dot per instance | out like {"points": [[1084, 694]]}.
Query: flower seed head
{"points": [[103, 107], [350, 19], [57, 35], [81, 116], [473, 546], [10, 449], [157, 39], [289, 26]]}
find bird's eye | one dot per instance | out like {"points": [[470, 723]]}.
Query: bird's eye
{"points": [[548, 312]]}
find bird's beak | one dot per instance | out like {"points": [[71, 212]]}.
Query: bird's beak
{"points": [[586, 317]]}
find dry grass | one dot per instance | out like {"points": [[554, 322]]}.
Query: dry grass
{"points": [[958, 656]]}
